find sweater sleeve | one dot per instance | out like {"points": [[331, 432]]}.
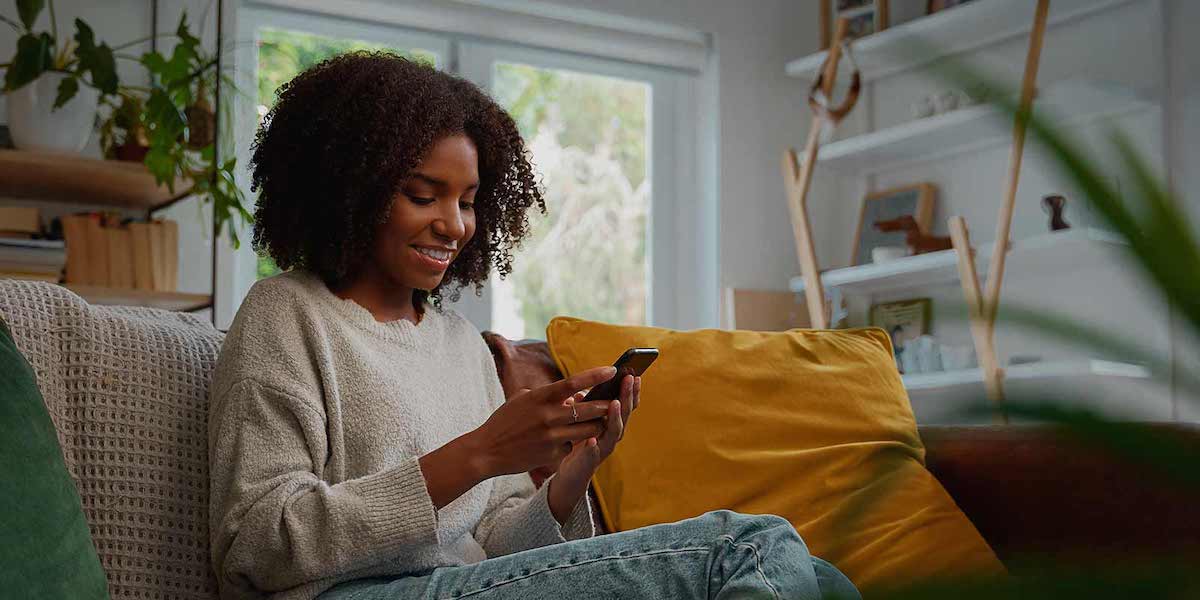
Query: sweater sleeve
{"points": [[518, 516], [274, 523]]}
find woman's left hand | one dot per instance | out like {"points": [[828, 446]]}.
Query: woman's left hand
{"points": [[576, 470]]}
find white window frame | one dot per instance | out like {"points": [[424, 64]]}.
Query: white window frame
{"points": [[683, 254]]}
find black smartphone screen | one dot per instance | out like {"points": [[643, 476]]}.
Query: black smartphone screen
{"points": [[634, 362]]}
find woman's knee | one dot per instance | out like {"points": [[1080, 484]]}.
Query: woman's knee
{"points": [[739, 526]]}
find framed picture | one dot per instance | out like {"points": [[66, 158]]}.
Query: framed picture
{"points": [[932, 6], [911, 200], [864, 18], [904, 320]]}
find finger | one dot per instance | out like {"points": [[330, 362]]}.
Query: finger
{"points": [[626, 397], [584, 411], [578, 432], [637, 392], [558, 390], [616, 428], [562, 450]]}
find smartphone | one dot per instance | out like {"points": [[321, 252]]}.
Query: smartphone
{"points": [[634, 362]]}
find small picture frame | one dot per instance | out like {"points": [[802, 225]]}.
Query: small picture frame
{"points": [[903, 320], [911, 200], [864, 18]]}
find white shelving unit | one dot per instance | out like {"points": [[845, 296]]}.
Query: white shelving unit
{"points": [[937, 397], [1058, 252], [1070, 103], [1063, 371], [1067, 103], [960, 29]]}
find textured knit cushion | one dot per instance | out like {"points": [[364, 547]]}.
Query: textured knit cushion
{"points": [[127, 390], [45, 547], [814, 426]]}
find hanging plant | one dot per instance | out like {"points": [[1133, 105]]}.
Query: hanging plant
{"points": [[180, 126]]}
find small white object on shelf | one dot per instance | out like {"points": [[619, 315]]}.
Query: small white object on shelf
{"points": [[1071, 102], [960, 29], [1048, 253], [883, 254]]}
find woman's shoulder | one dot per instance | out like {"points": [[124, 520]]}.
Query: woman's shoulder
{"points": [[268, 338], [289, 288]]}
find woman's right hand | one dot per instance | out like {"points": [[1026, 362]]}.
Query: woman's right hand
{"points": [[536, 427]]}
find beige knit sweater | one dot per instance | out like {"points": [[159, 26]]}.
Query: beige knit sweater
{"points": [[319, 414]]}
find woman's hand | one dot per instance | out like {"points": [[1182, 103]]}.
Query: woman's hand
{"points": [[538, 427], [576, 470], [533, 428]]}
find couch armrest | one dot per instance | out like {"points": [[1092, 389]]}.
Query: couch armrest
{"points": [[1033, 491]]}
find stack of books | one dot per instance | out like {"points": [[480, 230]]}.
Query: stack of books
{"points": [[103, 250], [22, 256]]}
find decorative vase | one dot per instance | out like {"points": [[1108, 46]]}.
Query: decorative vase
{"points": [[37, 126]]}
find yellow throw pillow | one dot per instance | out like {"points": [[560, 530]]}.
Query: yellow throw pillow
{"points": [[814, 426]]}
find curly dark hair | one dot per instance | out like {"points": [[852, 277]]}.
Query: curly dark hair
{"points": [[343, 135]]}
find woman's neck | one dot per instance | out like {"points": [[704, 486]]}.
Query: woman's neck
{"points": [[385, 300]]}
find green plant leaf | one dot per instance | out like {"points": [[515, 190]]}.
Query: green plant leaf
{"points": [[34, 56], [162, 165], [67, 88], [154, 62], [95, 59], [165, 121], [29, 10], [185, 34]]}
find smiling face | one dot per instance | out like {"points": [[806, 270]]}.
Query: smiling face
{"points": [[432, 216]]}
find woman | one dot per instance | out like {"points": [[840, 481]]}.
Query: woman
{"points": [[361, 445]]}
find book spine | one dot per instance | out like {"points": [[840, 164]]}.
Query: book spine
{"points": [[75, 235], [97, 248], [120, 258], [143, 263]]}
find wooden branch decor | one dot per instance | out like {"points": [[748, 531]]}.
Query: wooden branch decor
{"points": [[982, 309], [797, 176]]}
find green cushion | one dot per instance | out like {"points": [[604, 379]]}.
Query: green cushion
{"points": [[45, 547]]}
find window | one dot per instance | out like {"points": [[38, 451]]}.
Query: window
{"points": [[586, 256]]}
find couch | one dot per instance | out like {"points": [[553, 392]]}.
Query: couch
{"points": [[127, 391]]}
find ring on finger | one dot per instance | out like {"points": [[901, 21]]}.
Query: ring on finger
{"points": [[574, 414]]}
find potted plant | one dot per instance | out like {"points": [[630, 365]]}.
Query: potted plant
{"points": [[54, 92], [54, 85]]}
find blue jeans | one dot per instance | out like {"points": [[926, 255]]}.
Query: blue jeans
{"points": [[719, 555]]}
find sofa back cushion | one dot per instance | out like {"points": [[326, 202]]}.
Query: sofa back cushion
{"points": [[127, 391], [45, 545], [814, 426]]}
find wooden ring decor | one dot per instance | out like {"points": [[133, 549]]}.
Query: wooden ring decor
{"points": [[816, 92]]}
